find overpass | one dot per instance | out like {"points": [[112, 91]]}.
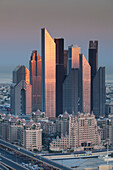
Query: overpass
{"points": [[45, 161]]}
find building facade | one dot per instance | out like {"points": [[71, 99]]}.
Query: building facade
{"points": [[35, 67], [21, 92], [48, 74], [93, 61], [99, 95], [70, 92], [60, 75], [73, 57], [84, 85]]}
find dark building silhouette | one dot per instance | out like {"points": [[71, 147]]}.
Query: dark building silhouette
{"points": [[59, 75], [70, 92], [93, 61], [99, 92], [35, 66], [65, 61]]}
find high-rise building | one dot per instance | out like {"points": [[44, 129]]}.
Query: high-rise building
{"points": [[21, 91], [48, 74], [99, 92], [70, 92], [84, 85], [65, 62], [59, 75], [35, 65], [93, 61], [73, 57]]}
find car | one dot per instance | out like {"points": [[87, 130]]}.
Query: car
{"points": [[18, 148]]}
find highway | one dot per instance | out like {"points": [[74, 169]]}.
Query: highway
{"points": [[11, 164], [34, 156]]}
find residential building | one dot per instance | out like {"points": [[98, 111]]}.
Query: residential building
{"points": [[32, 136]]}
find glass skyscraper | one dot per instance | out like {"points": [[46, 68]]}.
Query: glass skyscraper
{"points": [[35, 66], [93, 61], [73, 57], [48, 74], [84, 85]]}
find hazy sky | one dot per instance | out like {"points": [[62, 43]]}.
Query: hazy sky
{"points": [[77, 21]]}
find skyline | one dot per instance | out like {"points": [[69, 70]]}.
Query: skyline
{"points": [[76, 21]]}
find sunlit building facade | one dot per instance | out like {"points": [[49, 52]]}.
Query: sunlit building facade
{"points": [[21, 92], [84, 85], [35, 80], [48, 74], [73, 57]]}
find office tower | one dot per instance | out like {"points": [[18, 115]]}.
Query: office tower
{"points": [[35, 66], [21, 92], [93, 61], [99, 92], [84, 85], [70, 92], [59, 75], [65, 62], [73, 57], [48, 74]]}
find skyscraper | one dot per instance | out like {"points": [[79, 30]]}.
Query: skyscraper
{"points": [[73, 57], [59, 75], [99, 92], [70, 92], [21, 91], [93, 61], [65, 62], [35, 66], [84, 85], [48, 74]]}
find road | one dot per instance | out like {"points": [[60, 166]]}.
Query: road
{"points": [[11, 164], [34, 156]]}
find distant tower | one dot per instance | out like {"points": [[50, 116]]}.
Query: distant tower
{"points": [[35, 66], [84, 85], [99, 93], [93, 61], [73, 57], [21, 91], [48, 74], [59, 74]]}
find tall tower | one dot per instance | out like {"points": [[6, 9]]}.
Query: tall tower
{"points": [[59, 75], [35, 65], [21, 91], [99, 92], [93, 61], [48, 74], [70, 91], [73, 57], [84, 85]]}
